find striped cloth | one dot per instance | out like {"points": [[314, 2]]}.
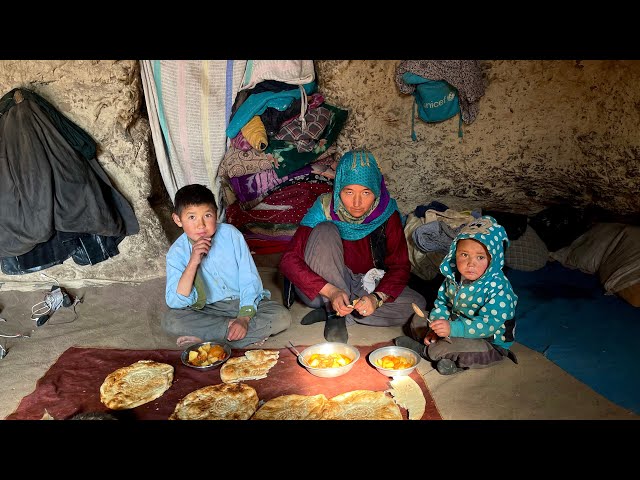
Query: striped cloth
{"points": [[189, 103]]}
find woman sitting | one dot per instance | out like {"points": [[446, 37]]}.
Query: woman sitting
{"points": [[348, 258]]}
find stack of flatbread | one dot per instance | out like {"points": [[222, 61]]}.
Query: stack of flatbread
{"points": [[354, 405], [254, 365], [408, 394], [136, 384], [225, 401]]}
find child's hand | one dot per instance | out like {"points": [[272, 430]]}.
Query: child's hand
{"points": [[199, 250], [238, 328], [441, 327], [432, 337]]}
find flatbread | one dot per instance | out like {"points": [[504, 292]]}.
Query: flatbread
{"points": [[408, 394], [362, 405], [292, 407], [254, 365], [136, 384], [236, 401]]}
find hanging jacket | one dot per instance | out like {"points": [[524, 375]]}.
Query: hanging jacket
{"points": [[55, 199]]}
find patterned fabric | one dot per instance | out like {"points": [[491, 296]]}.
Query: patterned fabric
{"points": [[241, 143], [258, 102], [287, 157], [464, 75], [527, 253], [361, 168], [237, 163], [287, 205], [305, 140], [249, 190]]}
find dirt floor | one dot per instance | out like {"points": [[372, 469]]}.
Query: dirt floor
{"points": [[127, 316]]}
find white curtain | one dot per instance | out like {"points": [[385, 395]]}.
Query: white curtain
{"points": [[189, 104]]}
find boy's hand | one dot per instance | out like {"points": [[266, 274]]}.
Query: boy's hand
{"points": [[238, 328], [199, 250]]}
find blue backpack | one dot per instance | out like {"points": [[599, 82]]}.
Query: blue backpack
{"points": [[436, 100]]}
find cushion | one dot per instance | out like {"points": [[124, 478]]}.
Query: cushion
{"points": [[587, 252], [631, 294], [527, 253], [620, 267]]}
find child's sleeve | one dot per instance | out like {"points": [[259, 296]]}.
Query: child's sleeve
{"points": [[175, 267], [498, 308], [440, 305], [249, 281]]}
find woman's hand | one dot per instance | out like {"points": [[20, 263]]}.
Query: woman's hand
{"points": [[338, 298], [367, 305]]}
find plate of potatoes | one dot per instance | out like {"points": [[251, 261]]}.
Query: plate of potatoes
{"points": [[206, 355]]}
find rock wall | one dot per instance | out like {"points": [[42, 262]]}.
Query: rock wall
{"points": [[548, 131]]}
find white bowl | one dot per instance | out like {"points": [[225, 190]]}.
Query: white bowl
{"points": [[398, 352], [326, 348]]}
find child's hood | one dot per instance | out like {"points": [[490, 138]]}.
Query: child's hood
{"points": [[487, 231]]}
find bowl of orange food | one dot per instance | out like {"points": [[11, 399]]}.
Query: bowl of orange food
{"points": [[329, 359], [394, 361], [205, 355]]}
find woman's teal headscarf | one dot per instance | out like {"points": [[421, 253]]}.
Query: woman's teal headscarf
{"points": [[355, 167]]}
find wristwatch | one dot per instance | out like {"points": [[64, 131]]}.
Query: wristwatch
{"points": [[380, 299]]}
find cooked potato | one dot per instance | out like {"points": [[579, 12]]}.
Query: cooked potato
{"points": [[393, 362], [331, 360], [206, 355]]}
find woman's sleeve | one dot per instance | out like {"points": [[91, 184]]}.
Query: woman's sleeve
{"points": [[398, 267], [294, 267]]}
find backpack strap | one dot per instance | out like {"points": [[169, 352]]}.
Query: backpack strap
{"points": [[413, 121], [460, 125]]}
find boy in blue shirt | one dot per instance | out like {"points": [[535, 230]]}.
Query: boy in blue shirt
{"points": [[214, 291]]}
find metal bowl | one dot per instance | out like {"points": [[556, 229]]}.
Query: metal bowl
{"points": [[185, 355], [326, 348], [398, 352]]}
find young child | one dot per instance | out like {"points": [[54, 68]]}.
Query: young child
{"points": [[475, 306], [214, 291]]}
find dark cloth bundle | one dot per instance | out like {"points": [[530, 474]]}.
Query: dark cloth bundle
{"points": [[55, 199]]}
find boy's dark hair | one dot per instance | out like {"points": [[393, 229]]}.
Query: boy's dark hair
{"points": [[194, 194]]}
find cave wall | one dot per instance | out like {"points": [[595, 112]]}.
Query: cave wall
{"points": [[547, 132]]}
